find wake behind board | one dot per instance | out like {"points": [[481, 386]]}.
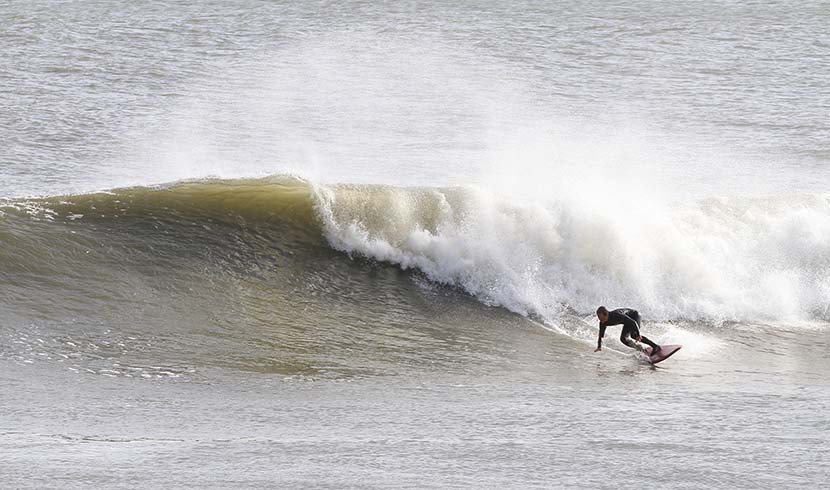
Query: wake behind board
{"points": [[665, 352]]}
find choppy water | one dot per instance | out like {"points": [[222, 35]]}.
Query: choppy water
{"points": [[358, 245]]}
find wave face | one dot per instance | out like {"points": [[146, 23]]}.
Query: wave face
{"points": [[173, 280], [227, 224], [712, 260]]}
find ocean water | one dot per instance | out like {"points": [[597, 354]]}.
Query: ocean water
{"points": [[359, 244]]}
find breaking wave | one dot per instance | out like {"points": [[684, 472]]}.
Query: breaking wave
{"points": [[714, 259]]}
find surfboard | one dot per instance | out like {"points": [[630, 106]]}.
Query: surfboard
{"points": [[665, 352]]}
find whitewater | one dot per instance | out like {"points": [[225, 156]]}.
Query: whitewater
{"points": [[360, 245], [717, 259]]}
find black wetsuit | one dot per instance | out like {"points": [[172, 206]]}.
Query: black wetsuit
{"points": [[630, 320]]}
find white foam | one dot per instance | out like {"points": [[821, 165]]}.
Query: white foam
{"points": [[715, 260]]}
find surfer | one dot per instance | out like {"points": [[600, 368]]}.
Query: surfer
{"points": [[630, 320]]}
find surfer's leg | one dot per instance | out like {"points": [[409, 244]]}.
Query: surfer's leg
{"points": [[626, 339], [654, 347], [643, 338]]}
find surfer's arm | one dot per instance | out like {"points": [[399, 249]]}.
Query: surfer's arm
{"points": [[600, 336]]}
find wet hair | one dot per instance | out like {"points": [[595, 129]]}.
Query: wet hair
{"points": [[602, 310]]}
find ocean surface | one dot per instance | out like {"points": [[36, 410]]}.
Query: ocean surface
{"points": [[311, 244]]}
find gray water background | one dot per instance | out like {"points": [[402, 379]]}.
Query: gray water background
{"points": [[725, 98]]}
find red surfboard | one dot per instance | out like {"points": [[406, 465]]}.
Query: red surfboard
{"points": [[665, 352]]}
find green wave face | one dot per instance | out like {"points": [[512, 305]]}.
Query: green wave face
{"points": [[215, 274]]}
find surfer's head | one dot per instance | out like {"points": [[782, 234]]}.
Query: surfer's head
{"points": [[602, 314]]}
